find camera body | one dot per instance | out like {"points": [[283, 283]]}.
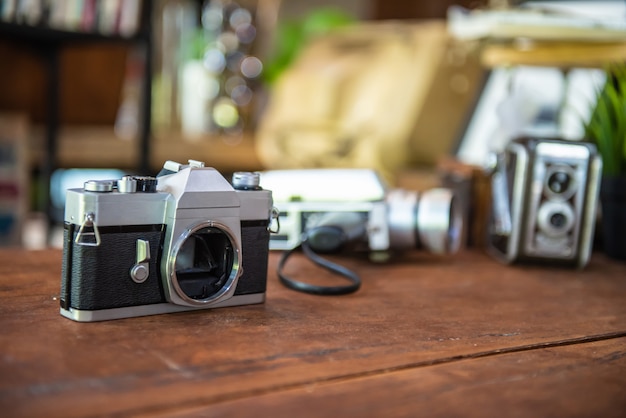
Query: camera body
{"points": [[360, 209], [186, 239], [545, 194]]}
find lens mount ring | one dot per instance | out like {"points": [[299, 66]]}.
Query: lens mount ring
{"points": [[235, 271]]}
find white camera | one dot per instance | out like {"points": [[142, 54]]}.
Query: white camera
{"points": [[355, 205]]}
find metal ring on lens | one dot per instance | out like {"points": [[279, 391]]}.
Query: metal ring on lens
{"points": [[571, 186], [439, 221], [548, 210], [234, 274], [402, 218]]}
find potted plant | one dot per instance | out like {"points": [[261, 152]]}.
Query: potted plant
{"points": [[607, 129]]}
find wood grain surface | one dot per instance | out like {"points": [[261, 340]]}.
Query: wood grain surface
{"points": [[425, 335]]}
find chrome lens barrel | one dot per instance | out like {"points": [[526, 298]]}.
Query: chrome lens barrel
{"points": [[431, 219], [439, 221]]}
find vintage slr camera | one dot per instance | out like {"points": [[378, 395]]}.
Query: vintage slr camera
{"points": [[545, 194], [186, 239], [335, 206]]}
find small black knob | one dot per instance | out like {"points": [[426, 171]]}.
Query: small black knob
{"points": [[146, 184]]}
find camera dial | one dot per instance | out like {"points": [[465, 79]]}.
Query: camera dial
{"points": [[100, 186], [146, 184], [127, 184]]}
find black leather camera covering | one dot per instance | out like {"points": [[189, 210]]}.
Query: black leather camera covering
{"points": [[99, 277], [255, 239]]}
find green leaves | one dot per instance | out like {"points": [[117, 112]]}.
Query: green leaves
{"points": [[607, 124], [292, 36]]}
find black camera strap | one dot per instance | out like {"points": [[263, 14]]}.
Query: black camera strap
{"points": [[351, 276]]}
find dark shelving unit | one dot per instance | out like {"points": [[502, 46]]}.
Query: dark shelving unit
{"points": [[48, 43]]}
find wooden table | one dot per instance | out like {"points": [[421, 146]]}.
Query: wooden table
{"points": [[425, 336]]}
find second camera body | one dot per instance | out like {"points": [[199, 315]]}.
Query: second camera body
{"points": [[184, 240], [545, 194], [355, 205]]}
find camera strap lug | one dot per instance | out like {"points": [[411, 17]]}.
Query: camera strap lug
{"points": [[274, 224], [81, 237]]}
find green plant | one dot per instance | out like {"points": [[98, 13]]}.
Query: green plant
{"points": [[195, 45], [607, 125], [293, 35]]}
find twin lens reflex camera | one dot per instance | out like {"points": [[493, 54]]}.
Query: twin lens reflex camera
{"points": [[544, 201], [336, 207], [186, 239]]}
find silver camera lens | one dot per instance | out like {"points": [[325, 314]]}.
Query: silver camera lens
{"points": [[205, 263], [555, 218], [432, 220]]}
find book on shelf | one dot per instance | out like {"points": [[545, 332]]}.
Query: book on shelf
{"points": [[107, 17], [583, 21], [14, 189]]}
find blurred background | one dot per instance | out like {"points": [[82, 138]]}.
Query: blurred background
{"points": [[419, 90]]}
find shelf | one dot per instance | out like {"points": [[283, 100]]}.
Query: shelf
{"points": [[554, 54], [99, 147], [49, 43], [46, 35]]}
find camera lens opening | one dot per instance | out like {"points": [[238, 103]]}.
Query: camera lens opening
{"points": [[205, 264]]}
